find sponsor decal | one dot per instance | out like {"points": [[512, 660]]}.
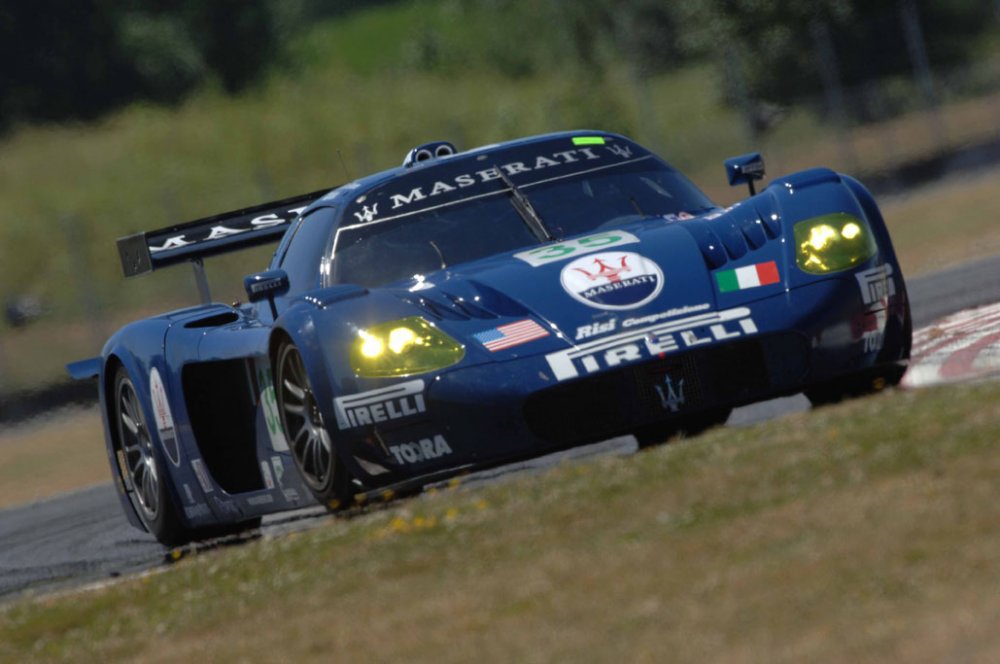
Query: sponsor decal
{"points": [[220, 231], [612, 280], [367, 214], [596, 329], [279, 469], [873, 341], [381, 405], [269, 403], [623, 151], [679, 216], [291, 495], [197, 511], [465, 180], [188, 494], [164, 419], [510, 335], [265, 471], [876, 283], [580, 158], [669, 313], [599, 328], [588, 140], [649, 342], [226, 507], [264, 499], [749, 276], [202, 475], [424, 449], [869, 329], [584, 245], [671, 394]]}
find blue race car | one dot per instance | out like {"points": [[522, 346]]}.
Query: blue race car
{"points": [[469, 309]]}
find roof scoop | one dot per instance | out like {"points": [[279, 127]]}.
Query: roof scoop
{"points": [[429, 151]]}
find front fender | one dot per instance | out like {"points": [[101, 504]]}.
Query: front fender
{"points": [[133, 348]]}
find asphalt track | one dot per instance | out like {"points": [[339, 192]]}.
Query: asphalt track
{"points": [[82, 537]]}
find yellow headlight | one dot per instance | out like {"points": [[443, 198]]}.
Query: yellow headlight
{"points": [[371, 346], [401, 338], [832, 242], [403, 348]]}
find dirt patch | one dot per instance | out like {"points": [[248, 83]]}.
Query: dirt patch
{"points": [[56, 452]]}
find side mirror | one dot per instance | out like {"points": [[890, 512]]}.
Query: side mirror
{"points": [[745, 169], [266, 285]]}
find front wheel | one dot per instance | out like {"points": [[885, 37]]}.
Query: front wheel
{"points": [[856, 385], [308, 437]]}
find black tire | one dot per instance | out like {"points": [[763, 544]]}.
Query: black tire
{"points": [[140, 466], [856, 385], [308, 437]]}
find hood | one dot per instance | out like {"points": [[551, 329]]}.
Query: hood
{"points": [[627, 278]]}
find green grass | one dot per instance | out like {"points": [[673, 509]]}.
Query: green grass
{"points": [[862, 532]]}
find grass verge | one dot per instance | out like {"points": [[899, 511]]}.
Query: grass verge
{"points": [[861, 532], [946, 223], [60, 451]]}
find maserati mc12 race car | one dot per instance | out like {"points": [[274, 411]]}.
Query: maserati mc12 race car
{"points": [[472, 308]]}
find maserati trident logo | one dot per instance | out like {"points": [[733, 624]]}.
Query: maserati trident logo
{"points": [[671, 399], [610, 272], [612, 280], [367, 214], [622, 151]]}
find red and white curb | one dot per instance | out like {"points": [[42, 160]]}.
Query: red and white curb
{"points": [[963, 346]]}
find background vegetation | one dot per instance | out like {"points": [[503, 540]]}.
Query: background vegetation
{"points": [[78, 59], [347, 88]]}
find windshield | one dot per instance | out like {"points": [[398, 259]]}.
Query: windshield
{"points": [[486, 222]]}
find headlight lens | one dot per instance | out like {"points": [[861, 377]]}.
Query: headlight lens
{"points": [[832, 243], [402, 348]]}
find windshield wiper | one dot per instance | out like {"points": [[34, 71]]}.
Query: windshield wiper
{"points": [[524, 208]]}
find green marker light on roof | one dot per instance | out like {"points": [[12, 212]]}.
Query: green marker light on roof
{"points": [[588, 140]]}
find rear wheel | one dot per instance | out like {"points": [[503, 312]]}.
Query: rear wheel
{"points": [[140, 468], [306, 432]]}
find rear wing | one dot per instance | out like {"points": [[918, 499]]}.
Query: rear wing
{"points": [[230, 231]]}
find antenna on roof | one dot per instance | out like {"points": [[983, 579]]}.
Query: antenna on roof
{"points": [[344, 165]]}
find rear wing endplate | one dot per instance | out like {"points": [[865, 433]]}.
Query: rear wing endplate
{"points": [[230, 231]]}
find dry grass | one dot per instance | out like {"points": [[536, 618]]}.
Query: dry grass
{"points": [[946, 223], [863, 532], [57, 452]]}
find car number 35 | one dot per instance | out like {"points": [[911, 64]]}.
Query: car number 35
{"points": [[583, 245]]}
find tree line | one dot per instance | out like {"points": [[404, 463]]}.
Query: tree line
{"points": [[77, 59]]}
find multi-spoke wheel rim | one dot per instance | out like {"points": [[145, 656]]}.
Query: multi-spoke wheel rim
{"points": [[307, 436], [137, 452]]}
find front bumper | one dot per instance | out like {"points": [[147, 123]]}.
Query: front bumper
{"points": [[488, 413]]}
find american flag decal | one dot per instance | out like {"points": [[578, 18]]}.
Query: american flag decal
{"points": [[511, 334]]}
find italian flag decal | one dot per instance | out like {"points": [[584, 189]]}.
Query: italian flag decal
{"points": [[751, 276]]}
